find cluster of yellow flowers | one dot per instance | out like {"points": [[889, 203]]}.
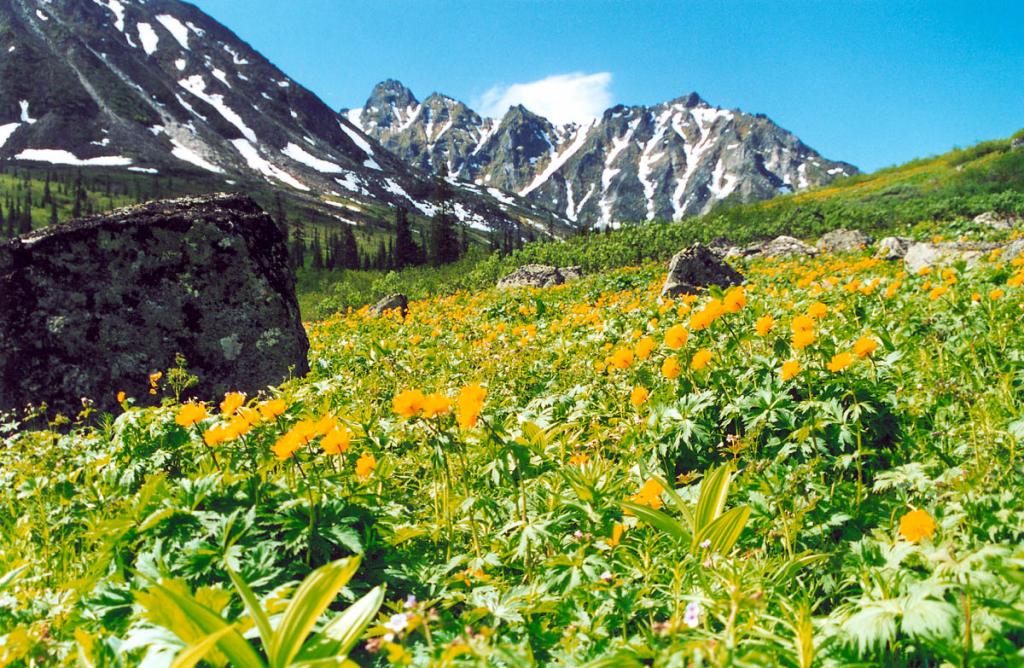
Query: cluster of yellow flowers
{"points": [[468, 404], [335, 438]]}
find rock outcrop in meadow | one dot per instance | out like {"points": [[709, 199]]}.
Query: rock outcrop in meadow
{"points": [[93, 307]]}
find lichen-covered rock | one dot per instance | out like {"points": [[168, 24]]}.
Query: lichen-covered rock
{"points": [[390, 303], [922, 255], [996, 221], [698, 267], [783, 246], [844, 241], [892, 248], [92, 307], [1012, 250], [539, 276]]}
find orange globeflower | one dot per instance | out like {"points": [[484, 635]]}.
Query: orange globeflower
{"points": [[671, 368], [996, 294], [802, 323], [864, 346], [917, 524], [789, 369], [272, 408], [644, 347], [578, 459], [190, 414], [468, 405], [435, 404], [617, 532], [215, 435], [365, 465], [649, 494], [638, 396], [764, 324], [336, 441], [676, 337], [839, 362], [803, 338], [621, 358], [232, 402], [286, 446], [817, 310], [700, 359], [121, 396], [408, 403], [735, 299], [937, 292]]}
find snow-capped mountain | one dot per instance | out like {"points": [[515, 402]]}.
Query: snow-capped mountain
{"points": [[158, 86], [664, 162]]}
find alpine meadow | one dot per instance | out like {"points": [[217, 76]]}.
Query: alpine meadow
{"points": [[531, 380]]}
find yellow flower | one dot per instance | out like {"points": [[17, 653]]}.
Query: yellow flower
{"points": [[817, 310], [644, 347], [676, 337], [408, 403], [232, 402], [621, 358], [649, 494], [121, 396], [365, 465], [864, 346], [700, 359], [617, 532], [190, 414], [215, 435], [336, 441], [671, 368], [578, 459], [803, 338], [789, 369], [802, 323], [996, 294], [638, 396], [924, 271], [435, 404], [917, 524], [937, 292], [468, 405], [272, 408], [839, 362], [735, 299], [286, 446], [764, 324]]}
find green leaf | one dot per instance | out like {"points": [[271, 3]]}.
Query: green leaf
{"points": [[190, 656], [658, 519], [252, 604], [713, 491], [789, 569], [724, 531], [614, 661], [310, 601], [11, 576], [342, 633], [233, 645], [676, 500]]}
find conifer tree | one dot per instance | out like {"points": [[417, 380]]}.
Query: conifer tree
{"points": [[407, 253]]}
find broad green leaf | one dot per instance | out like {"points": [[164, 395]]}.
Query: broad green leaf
{"points": [[233, 645], [713, 491], [614, 661], [658, 519], [190, 656], [724, 531], [310, 601], [342, 633], [676, 500], [252, 604], [789, 569], [11, 576]]}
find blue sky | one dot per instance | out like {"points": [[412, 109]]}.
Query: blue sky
{"points": [[873, 82]]}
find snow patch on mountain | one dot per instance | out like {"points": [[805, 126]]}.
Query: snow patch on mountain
{"points": [[6, 131], [61, 157], [259, 163], [299, 154], [148, 38], [197, 86], [178, 31]]}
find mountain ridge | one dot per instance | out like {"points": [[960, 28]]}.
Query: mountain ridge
{"points": [[623, 165]]}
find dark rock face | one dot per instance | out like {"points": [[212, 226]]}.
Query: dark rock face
{"points": [[390, 303], [92, 307], [698, 267], [539, 276]]}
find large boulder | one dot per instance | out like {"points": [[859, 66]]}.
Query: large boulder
{"points": [[393, 302], [92, 307], [539, 276], [844, 241], [1012, 250], [892, 248], [784, 246], [922, 255], [996, 221], [698, 267]]}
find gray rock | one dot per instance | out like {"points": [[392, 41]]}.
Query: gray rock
{"points": [[783, 246], [996, 221], [1017, 144], [922, 255], [390, 303], [844, 241], [92, 307], [1012, 250], [698, 267], [892, 248], [539, 276]]}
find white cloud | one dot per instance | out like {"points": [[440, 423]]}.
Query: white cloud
{"points": [[560, 97]]}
